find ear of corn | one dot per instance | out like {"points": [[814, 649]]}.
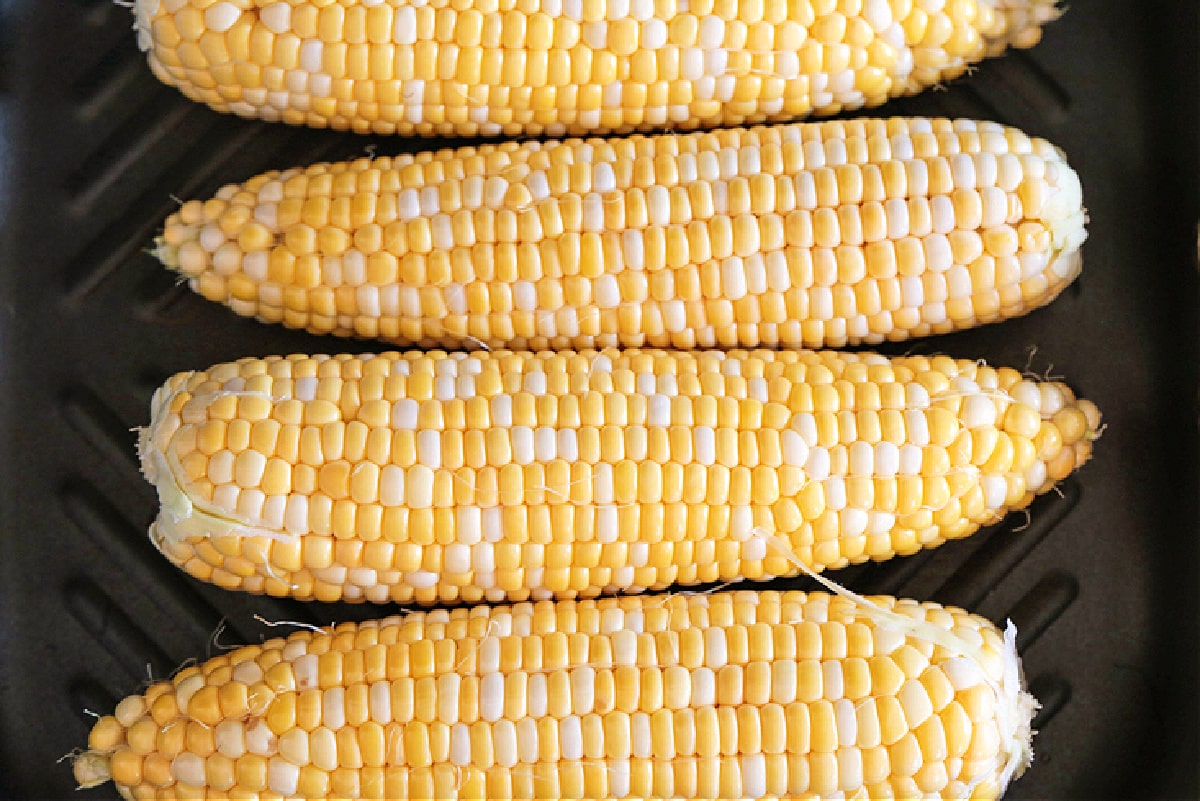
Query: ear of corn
{"points": [[482, 67], [729, 695], [814, 235], [435, 477]]}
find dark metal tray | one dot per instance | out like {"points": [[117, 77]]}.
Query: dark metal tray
{"points": [[1102, 581]]}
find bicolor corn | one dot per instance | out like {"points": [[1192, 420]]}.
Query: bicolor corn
{"points": [[436, 477], [489, 67], [813, 235], [728, 695]]}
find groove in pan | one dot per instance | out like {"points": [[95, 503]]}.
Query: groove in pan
{"points": [[1053, 692], [91, 512], [1012, 541], [106, 622], [100, 425], [161, 116], [1045, 603]]}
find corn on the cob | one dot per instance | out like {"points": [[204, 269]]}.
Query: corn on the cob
{"points": [[730, 695], [506, 476], [566, 66], [814, 235]]}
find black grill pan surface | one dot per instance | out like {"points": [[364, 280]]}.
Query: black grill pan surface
{"points": [[1101, 578]]}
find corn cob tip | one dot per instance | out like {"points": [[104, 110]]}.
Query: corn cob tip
{"points": [[1023, 21], [1065, 218], [143, 14], [181, 514], [91, 769], [1015, 707], [1020, 707], [1063, 212]]}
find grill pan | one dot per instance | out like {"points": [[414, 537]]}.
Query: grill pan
{"points": [[1101, 578]]}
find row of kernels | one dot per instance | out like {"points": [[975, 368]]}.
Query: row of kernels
{"points": [[708, 157], [318, 387], [750, 626], [817, 367], [500, 584], [871, 312], [710, 191], [773, 775], [347, 72], [813, 729], [575, 482], [710, 401], [567, 424], [890, 275], [513, 28], [806, 200], [583, 691], [670, 565], [859, 473], [893, 771], [860, 443]]}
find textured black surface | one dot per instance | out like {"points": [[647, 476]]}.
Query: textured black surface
{"points": [[1102, 581]]}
